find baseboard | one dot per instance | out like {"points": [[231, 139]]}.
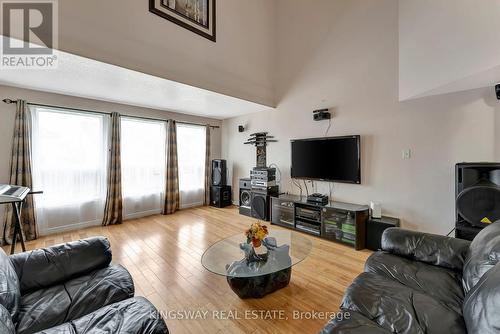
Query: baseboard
{"points": [[193, 205], [71, 227], [142, 214]]}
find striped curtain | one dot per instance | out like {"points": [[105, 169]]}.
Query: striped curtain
{"points": [[114, 205], [207, 167], [171, 203], [20, 174]]}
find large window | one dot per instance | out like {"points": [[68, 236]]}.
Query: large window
{"points": [[143, 166], [70, 153], [69, 164], [191, 161]]}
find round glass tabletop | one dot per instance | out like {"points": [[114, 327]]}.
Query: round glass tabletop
{"points": [[227, 258]]}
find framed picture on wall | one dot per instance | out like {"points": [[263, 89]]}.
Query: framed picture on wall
{"points": [[195, 15]]}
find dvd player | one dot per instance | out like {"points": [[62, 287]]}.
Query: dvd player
{"points": [[262, 183], [263, 172], [318, 199]]}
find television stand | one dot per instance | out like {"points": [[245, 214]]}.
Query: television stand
{"points": [[335, 221]]}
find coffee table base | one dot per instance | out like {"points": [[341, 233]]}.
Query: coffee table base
{"points": [[259, 286]]}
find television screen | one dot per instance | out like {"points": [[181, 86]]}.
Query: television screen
{"points": [[329, 159]]}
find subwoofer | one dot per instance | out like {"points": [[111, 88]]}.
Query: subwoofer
{"points": [[260, 206], [245, 197], [219, 172], [261, 203], [220, 197], [477, 195]]}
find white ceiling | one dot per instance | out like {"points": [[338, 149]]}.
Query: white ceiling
{"points": [[83, 77]]}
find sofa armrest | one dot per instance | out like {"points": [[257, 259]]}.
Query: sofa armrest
{"points": [[41, 268], [134, 315], [433, 249]]}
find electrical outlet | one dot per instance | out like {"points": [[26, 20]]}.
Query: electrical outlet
{"points": [[406, 154]]}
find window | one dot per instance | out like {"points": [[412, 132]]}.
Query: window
{"points": [[191, 148], [143, 166], [69, 164]]}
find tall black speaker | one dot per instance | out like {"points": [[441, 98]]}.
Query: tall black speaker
{"points": [[219, 172], [477, 195]]}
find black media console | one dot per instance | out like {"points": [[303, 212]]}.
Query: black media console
{"points": [[336, 221]]}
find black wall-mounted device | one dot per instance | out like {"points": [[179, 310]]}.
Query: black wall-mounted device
{"points": [[497, 90], [321, 114], [241, 128]]}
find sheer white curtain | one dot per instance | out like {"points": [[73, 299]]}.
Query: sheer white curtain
{"points": [[69, 164], [191, 160], [143, 166]]}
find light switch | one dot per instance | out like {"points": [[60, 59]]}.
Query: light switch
{"points": [[406, 154]]}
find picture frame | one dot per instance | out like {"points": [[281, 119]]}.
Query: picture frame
{"points": [[198, 16]]}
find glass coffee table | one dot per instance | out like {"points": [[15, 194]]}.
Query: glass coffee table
{"points": [[253, 274]]}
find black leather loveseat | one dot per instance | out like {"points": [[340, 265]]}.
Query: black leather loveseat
{"points": [[424, 283], [71, 288]]}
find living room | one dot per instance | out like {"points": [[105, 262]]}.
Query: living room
{"points": [[250, 167]]}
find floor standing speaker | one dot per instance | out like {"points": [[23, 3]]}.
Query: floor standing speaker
{"points": [[245, 197], [219, 172], [220, 197], [477, 195]]}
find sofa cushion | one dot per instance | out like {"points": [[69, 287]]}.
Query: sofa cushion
{"points": [[484, 253], [353, 323], [136, 315], [43, 309], [100, 288], [482, 304], [75, 298], [45, 267], [10, 295], [399, 308], [440, 283]]}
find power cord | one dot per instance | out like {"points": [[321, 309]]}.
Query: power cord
{"points": [[307, 189], [297, 184], [278, 179], [329, 125], [450, 232], [330, 188]]}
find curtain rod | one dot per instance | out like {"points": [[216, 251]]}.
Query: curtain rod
{"points": [[10, 101]]}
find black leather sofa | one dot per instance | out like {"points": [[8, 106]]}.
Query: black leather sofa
{"points": [[425, 283], [72, 288]]}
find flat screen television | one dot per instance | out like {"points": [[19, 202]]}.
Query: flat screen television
{"points": [[328, 159]]}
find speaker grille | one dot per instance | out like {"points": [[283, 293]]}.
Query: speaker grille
{"points": [[259, 207], [480, 203], [217, 176], [245, 198]]}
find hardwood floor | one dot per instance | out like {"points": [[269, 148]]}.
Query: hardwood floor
{"points": [[163, 255]]}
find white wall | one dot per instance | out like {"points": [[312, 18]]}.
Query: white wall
{"points": [[7, 114], [125, 33], [344, 54], [447, 46]]}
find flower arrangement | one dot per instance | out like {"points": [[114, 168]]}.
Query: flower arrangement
{"points": [[256, 233]]}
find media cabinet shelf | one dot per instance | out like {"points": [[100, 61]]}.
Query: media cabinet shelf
{"points": [[335, 221]]}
